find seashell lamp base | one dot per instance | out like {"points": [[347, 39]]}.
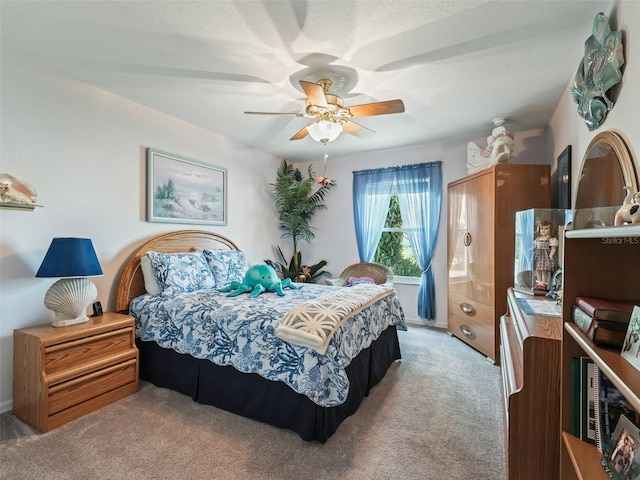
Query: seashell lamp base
{"points": [[69, 299]]}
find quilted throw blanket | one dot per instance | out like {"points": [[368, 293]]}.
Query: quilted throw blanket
{"points": [[241, 332], [313, 323]]}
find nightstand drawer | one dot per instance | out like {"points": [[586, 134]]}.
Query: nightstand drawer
{"points": [[87, 351], [81, 389]]}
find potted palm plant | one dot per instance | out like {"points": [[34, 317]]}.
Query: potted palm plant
{"points": [[297, 200]]}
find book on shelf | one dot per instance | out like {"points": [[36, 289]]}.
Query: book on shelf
{"points": [[589, 403], [584, 420], [620, 458], [631, 346], [576, 385], [583, 320], [610, 407], [604, 309], [599, 426], [604, 333]]}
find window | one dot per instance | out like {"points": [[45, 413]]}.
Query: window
{"points": [[394, 249], [401, 204]]}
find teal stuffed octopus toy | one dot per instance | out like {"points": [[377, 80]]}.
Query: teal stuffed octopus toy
{"points": [[257, 280]]}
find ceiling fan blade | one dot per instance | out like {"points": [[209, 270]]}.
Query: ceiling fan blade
{"points": [[377, 108], [286, 114], [358, 130], [301, 134], [314, 93]]}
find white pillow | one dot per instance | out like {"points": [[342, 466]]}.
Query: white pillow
{"points": [[151, 284]]}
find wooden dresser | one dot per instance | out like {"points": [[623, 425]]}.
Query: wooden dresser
{"points": [[60, 374], [530, 350], [481, 246]]}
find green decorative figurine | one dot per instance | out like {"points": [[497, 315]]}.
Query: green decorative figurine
{"points": [[257, 280]]}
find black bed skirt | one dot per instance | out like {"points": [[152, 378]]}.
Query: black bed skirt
{"points": [[252, 396]]}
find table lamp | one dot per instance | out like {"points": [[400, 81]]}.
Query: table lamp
{"points": [[71, 260]]}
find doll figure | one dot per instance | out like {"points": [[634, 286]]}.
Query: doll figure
{"points": [[545, 247]]}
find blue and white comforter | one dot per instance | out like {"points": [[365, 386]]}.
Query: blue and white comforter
{"points": [[240, 331]]}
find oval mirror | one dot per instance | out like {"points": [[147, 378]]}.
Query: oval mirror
{"points": [[607, 167]]}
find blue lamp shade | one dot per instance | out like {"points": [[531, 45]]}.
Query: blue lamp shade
{"points": [[70, 257]]}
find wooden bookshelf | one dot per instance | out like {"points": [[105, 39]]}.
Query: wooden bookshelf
{"points": [[598, 263], [584, 458]]}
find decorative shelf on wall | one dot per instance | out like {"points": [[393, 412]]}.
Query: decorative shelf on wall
{"points": [[19, 206]]}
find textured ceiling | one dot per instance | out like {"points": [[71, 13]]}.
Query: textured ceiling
{"points": [[456, 64]]}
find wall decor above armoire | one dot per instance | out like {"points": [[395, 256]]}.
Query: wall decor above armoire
{"points": [[598, 71]]}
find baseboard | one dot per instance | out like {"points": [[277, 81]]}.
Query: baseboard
{"points": [[6, 406], [421, 322]]}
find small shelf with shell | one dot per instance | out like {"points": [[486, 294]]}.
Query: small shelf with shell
{"points": [[16, 194], [19, 206]]}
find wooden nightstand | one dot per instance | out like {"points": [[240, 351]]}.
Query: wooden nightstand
{"points": [[60, 374]]}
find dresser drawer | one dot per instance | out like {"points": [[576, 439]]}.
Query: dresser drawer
{"points": [[81, 389], [464, 307], [87, 351], [473, 323], [480, 335]]}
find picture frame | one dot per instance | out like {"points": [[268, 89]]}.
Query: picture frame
{"points": [[563, 180], [183, 190], [631, 346], [620, 458]]}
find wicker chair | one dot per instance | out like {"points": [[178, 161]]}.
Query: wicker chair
{"points": [[382, 274]]}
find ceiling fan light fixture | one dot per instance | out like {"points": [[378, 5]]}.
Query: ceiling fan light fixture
{"points": [[324, 131]]}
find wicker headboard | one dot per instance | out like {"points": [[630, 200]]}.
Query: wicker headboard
{"points": [[131, 282]]}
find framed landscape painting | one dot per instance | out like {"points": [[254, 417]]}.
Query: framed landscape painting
{"points": [[182, 190]]}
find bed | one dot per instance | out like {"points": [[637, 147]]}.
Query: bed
{"points": [[313, 401]]}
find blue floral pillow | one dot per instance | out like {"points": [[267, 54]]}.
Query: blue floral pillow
{"points": [[181, 272], [227, 265]]}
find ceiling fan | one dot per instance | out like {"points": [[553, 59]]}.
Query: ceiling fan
{"points": [[330, 114]]}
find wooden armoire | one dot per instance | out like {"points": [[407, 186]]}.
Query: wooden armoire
{"points": [[481, 247]]}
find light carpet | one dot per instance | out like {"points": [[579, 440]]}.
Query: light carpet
{"points": [[437, 414]]}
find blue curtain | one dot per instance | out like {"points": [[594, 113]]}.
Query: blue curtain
{"points": [[524, 246], [419, 189], [371, 196]]}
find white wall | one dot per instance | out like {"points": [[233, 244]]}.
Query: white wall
{"points": [[84, 151], [567, 128]]}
